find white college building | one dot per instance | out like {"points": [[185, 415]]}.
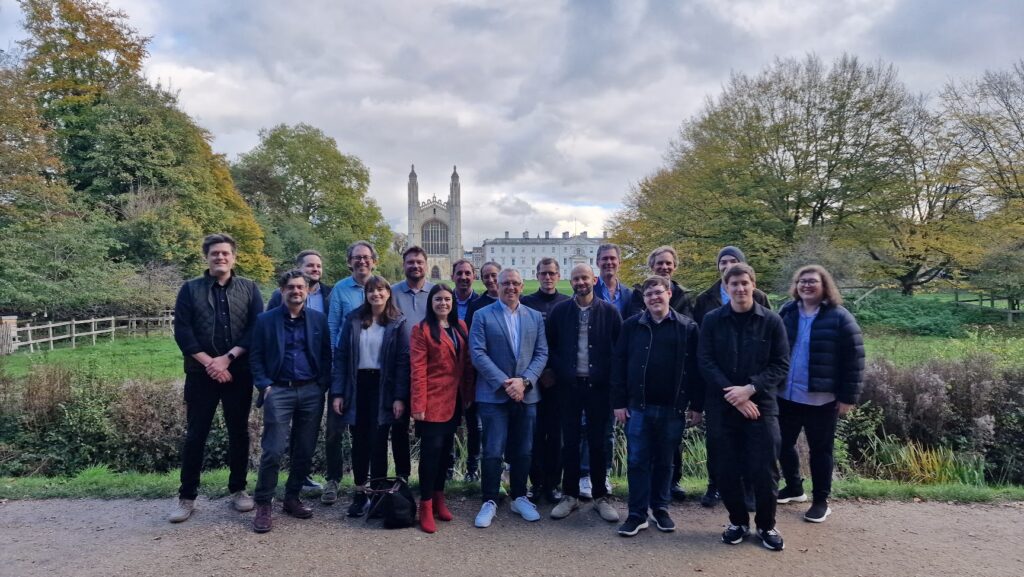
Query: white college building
{"points": [[523, 253]]}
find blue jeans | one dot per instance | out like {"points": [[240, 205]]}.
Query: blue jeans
{"points": [[507, 433], [652, 435], [288, 412]]}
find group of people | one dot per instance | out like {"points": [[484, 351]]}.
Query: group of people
{"points": [[538, 379]]}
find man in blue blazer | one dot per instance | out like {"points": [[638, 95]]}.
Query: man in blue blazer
{"points": [[509, 350], [291, 367]]}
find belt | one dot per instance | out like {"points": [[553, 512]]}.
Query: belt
{"points": [[294, 384]]}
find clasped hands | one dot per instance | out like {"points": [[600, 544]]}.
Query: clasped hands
{"points": [[739, 397], [217, 369], [515, 388]]}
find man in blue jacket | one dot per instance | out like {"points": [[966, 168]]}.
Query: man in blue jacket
{"points": [[291, 367], [509, 350]]}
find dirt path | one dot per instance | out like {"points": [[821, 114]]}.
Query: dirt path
{"points": [[131, 538]]}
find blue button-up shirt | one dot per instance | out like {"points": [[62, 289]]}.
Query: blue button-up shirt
{"points": [[621, 299], [315, 300], [797, 384], [296, 365], [463, 306], [346, 297], [725, 295], [512, 322]]}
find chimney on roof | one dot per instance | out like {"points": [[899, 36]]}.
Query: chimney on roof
{"points": [[526, 234], [506, 234], [565, 234], [583, 234], [547, 234]]}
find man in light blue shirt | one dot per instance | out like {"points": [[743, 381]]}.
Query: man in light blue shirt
{"points": [[608, 286], [346, 296]]}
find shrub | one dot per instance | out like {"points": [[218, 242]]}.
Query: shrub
{"points": [[890, 310]]}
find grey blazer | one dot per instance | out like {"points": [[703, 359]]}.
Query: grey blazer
{"points": [[491, 352]]}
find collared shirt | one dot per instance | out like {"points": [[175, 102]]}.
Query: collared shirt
{"points": [[463, 306], [797, 384], [296, 365], [315, 300], [222, 314], [620, 299], [346, 297], [413, 304], [512, 322], [725, 295], [583, 342]]}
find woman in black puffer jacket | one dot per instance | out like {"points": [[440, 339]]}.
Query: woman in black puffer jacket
{"points": [[825, 377]]}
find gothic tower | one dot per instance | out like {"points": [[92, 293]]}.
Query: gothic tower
{"points": [[414, 208], [455, 217]]}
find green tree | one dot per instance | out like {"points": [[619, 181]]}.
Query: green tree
{"points": [[312, 195]]}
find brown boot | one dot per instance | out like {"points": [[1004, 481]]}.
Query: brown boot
{"points": [[296, 508], [441, 507], [427, 516], [262, 522]]}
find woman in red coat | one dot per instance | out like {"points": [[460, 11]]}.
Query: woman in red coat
{"points": [[441, 384]]}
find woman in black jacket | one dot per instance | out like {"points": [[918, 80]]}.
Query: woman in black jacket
{"points": [[370, 384], [825, 377]]}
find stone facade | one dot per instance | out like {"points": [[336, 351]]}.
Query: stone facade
{"points": [[523, 253], [436, 226]]}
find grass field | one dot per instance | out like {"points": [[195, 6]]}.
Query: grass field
{"points": [[906, 351]]}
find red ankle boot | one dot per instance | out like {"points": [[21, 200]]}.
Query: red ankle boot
{"points": [[427, 516], [441, 508]]}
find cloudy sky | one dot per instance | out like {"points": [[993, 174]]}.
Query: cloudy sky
{"points": [[551, 109]]}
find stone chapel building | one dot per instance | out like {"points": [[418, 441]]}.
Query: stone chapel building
{"points": [[436, 226]]}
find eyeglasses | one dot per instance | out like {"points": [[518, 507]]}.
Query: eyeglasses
{"points": [[547, 273], [808, 282], [654, 294], [362, 258], [510, 283]]}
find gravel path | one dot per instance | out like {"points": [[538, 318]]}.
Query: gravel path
{"points": [[131, 538]]}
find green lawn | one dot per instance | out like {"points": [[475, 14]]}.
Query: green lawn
{"points": [[126, 358], [906, 351]]}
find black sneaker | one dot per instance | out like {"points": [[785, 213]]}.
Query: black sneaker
{"points": [[553, 496], [734, 534], [792, 494], [678, 493], [771, 539], [662, 521], [360, 502], [818, 511], [449, 474], [471, 477], [710, 498], [632, 526]]}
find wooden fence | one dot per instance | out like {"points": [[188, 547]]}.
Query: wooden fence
{"points": [[15, 335], [980, 299]]}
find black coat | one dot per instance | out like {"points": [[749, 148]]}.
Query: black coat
{"points": [[836, 359], [756, 354], [394, 369], [630, 361], [711, 299], [562, 329]]}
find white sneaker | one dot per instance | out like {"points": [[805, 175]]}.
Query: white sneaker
{"points": [[182, 510], [242, 502], [586, 488], [526, 509], [486, 514]]}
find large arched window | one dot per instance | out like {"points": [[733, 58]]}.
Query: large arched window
{"points": [[435, 237]]}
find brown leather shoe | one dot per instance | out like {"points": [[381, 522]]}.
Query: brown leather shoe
{"points": [[262, 522], [296, 508]]}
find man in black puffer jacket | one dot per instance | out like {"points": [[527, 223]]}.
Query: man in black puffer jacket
{"points": [[744, 358], [825, 378]]}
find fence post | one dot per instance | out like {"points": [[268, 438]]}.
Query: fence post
{"points": [[74, 340], [93, 330], [49, 333], [8, 334], [956, 295], [31, 345], [113, 328]]}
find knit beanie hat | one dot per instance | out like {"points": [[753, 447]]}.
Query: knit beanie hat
{"points": [[731, 251]]}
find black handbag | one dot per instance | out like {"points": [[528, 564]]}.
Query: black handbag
{"points": [[391, 499]]}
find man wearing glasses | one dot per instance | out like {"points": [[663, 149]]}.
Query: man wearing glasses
{"points": [[546, 469], [654, 378], [346, 296], [509, 351]]}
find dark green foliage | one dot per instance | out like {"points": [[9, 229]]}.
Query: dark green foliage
{"points": [[891, 311]]}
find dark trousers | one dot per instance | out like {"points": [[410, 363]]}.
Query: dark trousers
{"points": [[583, 399], [746, 449], [400, 449], [819, 425], [202, 395], [436, 440], [472, 440], [291, 418], [333, 445], [369, 439], [652, 434], [608, 439], [507, 434], [546, 465]]}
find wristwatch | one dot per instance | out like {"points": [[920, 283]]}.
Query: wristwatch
{"points": [[231, 356], [527, 384]]}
